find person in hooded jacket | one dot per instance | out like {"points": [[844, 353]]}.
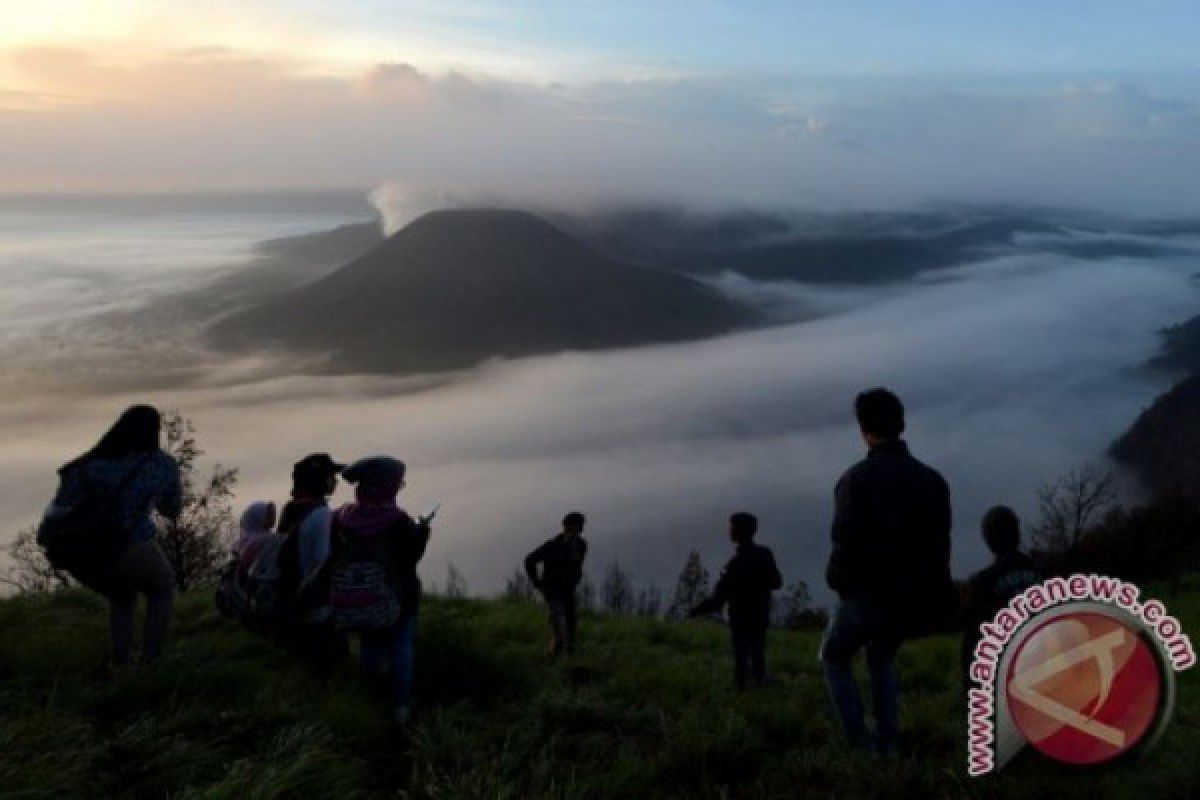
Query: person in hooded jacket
{"points": [[255, 528]]}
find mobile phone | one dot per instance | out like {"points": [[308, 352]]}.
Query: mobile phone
{"points": [[428, 516]]}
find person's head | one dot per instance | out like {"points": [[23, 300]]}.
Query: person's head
{"points": [[742, 527], [377, 480], [315, 476], [880, 415], [137, 430], [1001, 530], [258, 517], [573, 523]]}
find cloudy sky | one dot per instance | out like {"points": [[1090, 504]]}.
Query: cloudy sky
{"points": [[800, 103]]}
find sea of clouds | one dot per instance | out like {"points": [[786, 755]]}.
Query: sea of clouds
{"points": [[1014, 370]]}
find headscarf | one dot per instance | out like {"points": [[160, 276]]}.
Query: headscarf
{"points": [[257, 521]]}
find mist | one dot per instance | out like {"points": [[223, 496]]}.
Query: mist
{"points": [[1014, 370]]}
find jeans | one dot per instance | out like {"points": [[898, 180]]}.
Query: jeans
{"points": [[393, 648], [562, 622], [860, 622], [141, 569], [749, 652]]}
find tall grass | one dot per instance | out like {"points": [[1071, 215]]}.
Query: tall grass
{"points": [[646, 709]]}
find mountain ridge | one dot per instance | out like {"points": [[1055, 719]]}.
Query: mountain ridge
{"points": [[456, 288]]}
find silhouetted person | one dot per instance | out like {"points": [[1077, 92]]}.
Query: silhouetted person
{"points": [[561, 562], [305, 617], [255, 527], [125, 478], [745, 586], [890, 567], [374, 588], [989, 590]]}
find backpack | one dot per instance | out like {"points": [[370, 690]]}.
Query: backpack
{"points": [[362, 580], [253, 594], [291, 601], [86, 538]]}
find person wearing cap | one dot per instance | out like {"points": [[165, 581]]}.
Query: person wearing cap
{"points": [[561, 562], [305, 522], [361, 524]]}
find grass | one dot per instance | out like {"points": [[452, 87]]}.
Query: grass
{"points": [[645, 710]]}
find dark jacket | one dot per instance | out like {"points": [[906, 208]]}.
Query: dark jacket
{"points": [[561, 559], [891, 532], [745, 586], [990, 589]]}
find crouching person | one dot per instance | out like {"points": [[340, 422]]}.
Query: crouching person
{"points": [[745, 586], [561, 562], [374, 590]]}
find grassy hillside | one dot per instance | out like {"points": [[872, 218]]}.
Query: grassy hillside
{"points": [[646, 710]]}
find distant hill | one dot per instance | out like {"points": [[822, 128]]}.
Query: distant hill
{"points": [[847, 248], [1163, 445], [1180, 346], [858, 248], [455, 288]]}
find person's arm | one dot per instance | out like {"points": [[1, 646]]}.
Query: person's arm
{"points": [[169, 501], [971, 610], [416, 539], [844, 535], [314, 543], [943, 522], [774, 577], [719, 597], [531, 564]]}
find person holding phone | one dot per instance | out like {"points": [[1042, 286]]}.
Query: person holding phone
{"points": [[373, 588]]}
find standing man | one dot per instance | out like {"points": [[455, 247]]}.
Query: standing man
{"points": [[890, 567], [561, 561], [745, 587]]}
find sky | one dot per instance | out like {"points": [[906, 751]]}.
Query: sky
{"points": [[851, 104]]}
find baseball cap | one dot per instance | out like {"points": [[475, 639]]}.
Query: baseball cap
{"points": [[317, 463]]}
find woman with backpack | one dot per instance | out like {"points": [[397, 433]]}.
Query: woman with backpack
{"points": [[303, 617], [100, 528], [373, 585]]}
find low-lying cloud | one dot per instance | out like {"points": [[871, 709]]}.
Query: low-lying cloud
{"points": [[1014, 371]]}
